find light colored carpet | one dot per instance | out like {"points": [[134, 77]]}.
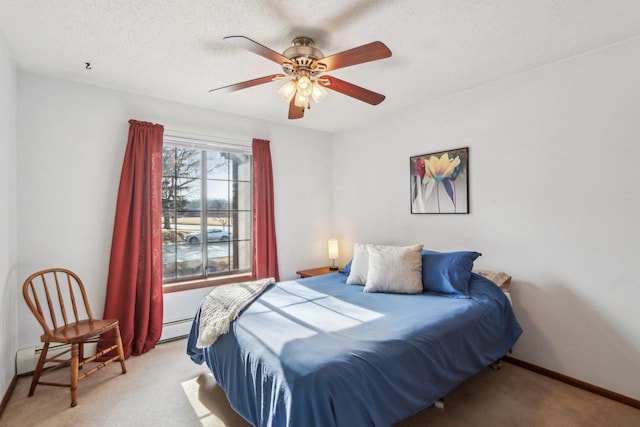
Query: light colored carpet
{"points": [[164, 388]]}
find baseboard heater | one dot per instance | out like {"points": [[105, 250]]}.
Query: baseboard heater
{"points": [[27, 358], [176, 329]]}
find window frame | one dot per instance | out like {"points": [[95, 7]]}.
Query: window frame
{"points": [[202, 143]]}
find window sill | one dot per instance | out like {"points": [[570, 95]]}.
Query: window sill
{"points": [[197, 284]]}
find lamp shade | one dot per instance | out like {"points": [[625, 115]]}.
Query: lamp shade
{"points": [[288, 90], [301, 100], [334, 253], [305, 86], [318, 93]]}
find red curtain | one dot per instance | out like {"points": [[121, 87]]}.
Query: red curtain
{"points": [[265, 256], [134, 287]]}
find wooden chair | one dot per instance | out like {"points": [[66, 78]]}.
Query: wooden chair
{"points": [[48, 293]]}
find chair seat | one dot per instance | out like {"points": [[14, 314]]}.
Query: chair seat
{"points": [[79, 331]]}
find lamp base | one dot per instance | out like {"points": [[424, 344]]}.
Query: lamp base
{"points": [[333, 268]]}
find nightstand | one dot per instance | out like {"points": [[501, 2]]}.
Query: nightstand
{"points": [[502, 280], [315, 272]]}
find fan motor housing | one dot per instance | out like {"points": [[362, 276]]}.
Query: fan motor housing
{"points": [[303, 47]]}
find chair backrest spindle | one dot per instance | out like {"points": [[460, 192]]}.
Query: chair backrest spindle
{"points": [[52, 314], [37, 307], [73, 298], [87, 307], [63, 310]]}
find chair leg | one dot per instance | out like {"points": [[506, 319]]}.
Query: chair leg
{"points": [[74, 374], [120, 349], [38, 371], [80, 355]]}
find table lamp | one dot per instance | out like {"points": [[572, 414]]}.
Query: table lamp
{"points": [[334, 253]]}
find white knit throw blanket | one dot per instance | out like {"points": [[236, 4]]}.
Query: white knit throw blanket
{"points": [[222, 306]]}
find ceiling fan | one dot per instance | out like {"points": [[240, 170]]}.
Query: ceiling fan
{"points": [[303, 64]]}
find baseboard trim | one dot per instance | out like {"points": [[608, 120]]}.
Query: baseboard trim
{"points": [[574, 382], [176, 338], [7, 395]]}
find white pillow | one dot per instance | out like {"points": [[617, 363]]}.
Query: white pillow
{"points": [[359, 265], [394, 269]]}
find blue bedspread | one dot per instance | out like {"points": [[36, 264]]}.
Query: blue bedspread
{"points": [[319, 352]]}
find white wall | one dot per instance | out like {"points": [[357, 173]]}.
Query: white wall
{"points": [[8, 281], [71, 141], [554, 184]]}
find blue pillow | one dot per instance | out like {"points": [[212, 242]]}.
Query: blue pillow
{"points": [[347, 269], [447, 273]]}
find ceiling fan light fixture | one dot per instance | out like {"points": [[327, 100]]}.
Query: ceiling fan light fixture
{"points": [[288, 90], [305, 87], [318, 93]]}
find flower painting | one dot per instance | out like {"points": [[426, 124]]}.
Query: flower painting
{"points": [[440, 182]]}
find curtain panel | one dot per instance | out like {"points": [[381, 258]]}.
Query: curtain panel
{"points": [[265, 256], [134, 286]]}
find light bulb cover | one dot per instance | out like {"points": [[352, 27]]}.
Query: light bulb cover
{"points": [[318, 93], [305, 86], [301, 100], [288, 90]]}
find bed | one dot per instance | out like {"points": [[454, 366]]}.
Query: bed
{"points": [[320, 352]]}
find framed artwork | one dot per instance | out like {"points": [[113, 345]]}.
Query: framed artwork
{"points": [[440, 182]]}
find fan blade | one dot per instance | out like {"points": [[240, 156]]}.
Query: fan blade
{"points": [[249, 83], [352, 90], [358, 55], [257, 48], [295, 112]]}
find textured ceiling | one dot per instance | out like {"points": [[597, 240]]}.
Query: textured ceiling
{"points": [[173, 49]]}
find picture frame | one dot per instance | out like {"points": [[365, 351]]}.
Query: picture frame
{"points": [[439, 182]]}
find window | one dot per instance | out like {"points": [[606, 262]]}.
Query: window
{"points": [[206, 212]]}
